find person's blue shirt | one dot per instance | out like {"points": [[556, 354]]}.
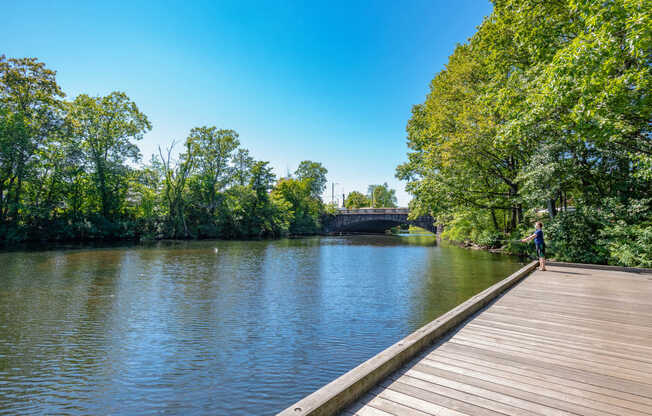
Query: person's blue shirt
{"points": [[538, 239]]}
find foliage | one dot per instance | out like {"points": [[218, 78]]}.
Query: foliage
{"points": [[356, 200], [105, 128], [575, 236], [381, 196], [631, 245], [304, 206], [315, 173], [30, 113], [547, 107], [70, 170]]}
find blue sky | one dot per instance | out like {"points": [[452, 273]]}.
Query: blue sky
{"points": [[332, 82]]}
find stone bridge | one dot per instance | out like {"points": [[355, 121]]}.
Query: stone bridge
{"points": [[374, 220]]}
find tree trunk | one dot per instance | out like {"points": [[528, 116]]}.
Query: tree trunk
{"points": [[552, 209], [493, 217]]}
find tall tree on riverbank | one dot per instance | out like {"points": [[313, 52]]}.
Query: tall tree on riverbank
{"points": [[242, 165], [212, 148], [315, 173], [547, 105], [30, 114], [175, 179], [107, 128]]}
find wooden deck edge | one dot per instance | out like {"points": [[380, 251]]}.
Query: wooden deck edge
{"points": [[344, 390], [600, 267]]}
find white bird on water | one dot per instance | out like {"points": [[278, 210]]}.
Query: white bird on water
{"points": [[215, 250]]}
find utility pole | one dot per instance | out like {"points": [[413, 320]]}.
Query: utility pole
{"points": [[333, 192]]}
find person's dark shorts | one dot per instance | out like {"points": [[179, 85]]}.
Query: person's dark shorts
{"points": [[541, 250]]}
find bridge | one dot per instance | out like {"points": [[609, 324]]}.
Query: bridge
{"points": [[374, 220]]}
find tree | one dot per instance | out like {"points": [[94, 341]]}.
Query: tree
{"points": [[547, 104], [29, 115], [175, 179], [68, 171], [355, 200], [107, 128], [305, 208], [242, 164], [381, 196], [261, 178], [315, 173], [212, 148]]}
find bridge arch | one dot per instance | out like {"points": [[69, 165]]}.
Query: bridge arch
{"points": [[374, 220]]}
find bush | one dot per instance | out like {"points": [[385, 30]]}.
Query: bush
{"points": [[630, 245], [575, 237], [489, 238]]}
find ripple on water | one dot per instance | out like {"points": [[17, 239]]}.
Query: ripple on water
{"points": [[177, 328]]}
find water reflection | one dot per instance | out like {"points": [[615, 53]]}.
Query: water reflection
{"points": [[215, 327]]}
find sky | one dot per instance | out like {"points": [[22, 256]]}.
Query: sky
{"points": [[333, 82]]}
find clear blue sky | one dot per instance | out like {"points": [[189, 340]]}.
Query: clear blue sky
{"points": [[332, 82]]}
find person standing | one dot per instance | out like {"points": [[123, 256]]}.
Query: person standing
{"points": [[539, 243]]}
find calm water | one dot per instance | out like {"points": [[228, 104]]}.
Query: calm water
{"points": [[246, 329]]}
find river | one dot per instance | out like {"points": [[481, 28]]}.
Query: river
{"points": [[215, 327]]}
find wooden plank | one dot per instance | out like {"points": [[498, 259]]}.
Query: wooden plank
{"points": [[557, 374], [567, 300], [626, 302], [582, 375], [574, 284], [409, 389], [544, 304], [511, 389], [372, 411], [567, 344], [536, 324], [563, 353], [594, 322], [539, 322], [388, 406], [613, 270], [463, 396], [598, 317], [497, 396], [590, 391], [622, 374], [562, 337], [536, 386], [417, 403]]}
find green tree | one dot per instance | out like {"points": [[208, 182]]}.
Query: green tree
{"points": [[175, 180], [306, 209], [107, 128], [381, 196], [546, 106], [29, 115], [355, 200], [68, 171], [315, 173], [242, 164], [212, 150]]}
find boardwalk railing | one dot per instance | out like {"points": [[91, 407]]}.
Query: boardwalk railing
{"points": [[344, 390]]}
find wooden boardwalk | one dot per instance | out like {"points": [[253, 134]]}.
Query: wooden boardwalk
{"points": [[568, 341]]}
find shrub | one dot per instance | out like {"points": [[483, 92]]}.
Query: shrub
{"points": [[575, 237], [629, 245]]}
